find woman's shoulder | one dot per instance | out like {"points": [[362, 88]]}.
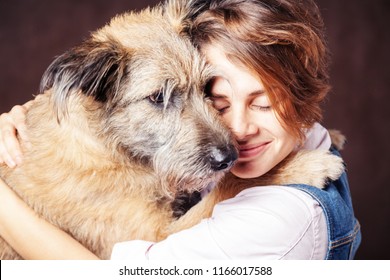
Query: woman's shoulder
{"points": [[281, 222], [282, 200]]}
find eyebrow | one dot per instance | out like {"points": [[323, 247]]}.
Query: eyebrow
{"points": [[254, 93], [257, 92]]}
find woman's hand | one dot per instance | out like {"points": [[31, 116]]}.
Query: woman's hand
{"points": [[12, 125]]}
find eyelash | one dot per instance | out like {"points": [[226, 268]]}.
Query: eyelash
{"points": [[262, 108], [257, 107], [221, 110]]}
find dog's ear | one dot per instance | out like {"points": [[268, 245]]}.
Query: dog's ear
{"points": [[94, 68]]}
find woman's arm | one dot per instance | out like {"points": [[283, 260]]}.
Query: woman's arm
{"points": [[33, 237], [269, 222]]}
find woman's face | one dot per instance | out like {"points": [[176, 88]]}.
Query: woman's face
{"points": [[244, 106]]}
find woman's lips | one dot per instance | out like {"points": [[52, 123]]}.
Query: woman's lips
{"points": [[249, 151]]}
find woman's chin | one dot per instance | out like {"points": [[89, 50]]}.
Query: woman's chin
{"points": [[247, 170]]}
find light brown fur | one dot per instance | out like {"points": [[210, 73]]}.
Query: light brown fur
{"points": [[106, 162]]}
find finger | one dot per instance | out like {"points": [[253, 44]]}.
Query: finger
{"points": [[18, 115], [13, 151], [5, 157], [10, 151]]}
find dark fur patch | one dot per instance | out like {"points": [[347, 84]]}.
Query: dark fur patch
{"points": [[183, 202], [96, 68]]}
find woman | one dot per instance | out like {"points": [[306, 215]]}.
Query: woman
{"points": [[271, 63]]}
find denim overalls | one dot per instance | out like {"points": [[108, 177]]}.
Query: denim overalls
{"points": [[344, 235]]}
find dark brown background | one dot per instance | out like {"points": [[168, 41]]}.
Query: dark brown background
{"points": [[33, 32]]}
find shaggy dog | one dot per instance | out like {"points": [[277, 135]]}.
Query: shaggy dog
{"points": [[123, 127]]}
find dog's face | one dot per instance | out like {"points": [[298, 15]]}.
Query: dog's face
{"points": [[149, 81]]}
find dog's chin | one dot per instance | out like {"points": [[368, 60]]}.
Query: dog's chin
{"points": [[199, 184]]}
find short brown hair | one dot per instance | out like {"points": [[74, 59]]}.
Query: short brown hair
{"points": [[280, 41]]}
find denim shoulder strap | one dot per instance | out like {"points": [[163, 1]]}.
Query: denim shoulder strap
{"points": [[344, 235]]}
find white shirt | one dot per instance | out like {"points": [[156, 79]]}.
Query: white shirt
{"points": [[271, 222]]}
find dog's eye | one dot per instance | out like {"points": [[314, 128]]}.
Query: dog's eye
{"points": [[157, 97]]}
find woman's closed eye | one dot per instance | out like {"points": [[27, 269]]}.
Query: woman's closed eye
{"points": [[262, 107], [261, 103], [220, 104]]}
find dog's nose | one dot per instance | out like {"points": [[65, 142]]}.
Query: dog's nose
{"points": [[222, 158]]}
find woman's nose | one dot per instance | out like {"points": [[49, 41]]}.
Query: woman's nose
{"points": [[242, 125]]}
